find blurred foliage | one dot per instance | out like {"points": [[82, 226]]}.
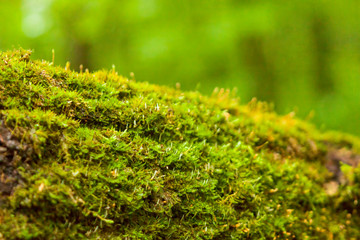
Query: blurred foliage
{"points": [[302, 55]]}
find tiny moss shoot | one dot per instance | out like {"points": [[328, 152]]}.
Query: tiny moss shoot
{"points": [[98, 156]]}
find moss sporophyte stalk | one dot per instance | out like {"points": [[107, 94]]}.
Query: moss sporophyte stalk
{"points": [[98, 156]]}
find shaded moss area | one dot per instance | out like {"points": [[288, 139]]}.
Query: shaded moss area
{"points": [[99, 156]]}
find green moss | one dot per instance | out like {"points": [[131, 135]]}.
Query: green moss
{"points": [[96, 155]]}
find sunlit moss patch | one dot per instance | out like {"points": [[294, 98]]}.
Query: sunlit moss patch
{"points": [[99, 156]]}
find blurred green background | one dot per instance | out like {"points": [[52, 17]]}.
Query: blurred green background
{"points": [[301, 55]]}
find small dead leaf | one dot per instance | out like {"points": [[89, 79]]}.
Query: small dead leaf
{"points": [[41, 187], [331, 188]]}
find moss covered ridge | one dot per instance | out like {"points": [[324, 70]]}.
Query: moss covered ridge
{"points": [[99, 156]]}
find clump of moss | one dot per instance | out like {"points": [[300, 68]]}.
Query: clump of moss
{"points": [[99, 156]]}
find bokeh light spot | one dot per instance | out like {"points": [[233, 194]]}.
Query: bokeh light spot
{"points": [[34, 25]]}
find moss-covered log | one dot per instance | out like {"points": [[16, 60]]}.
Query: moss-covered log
{"points": [[100, 156]]}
